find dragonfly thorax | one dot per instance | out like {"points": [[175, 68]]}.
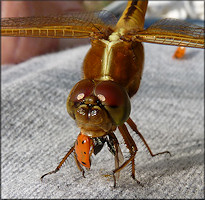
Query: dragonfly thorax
{"points": [[117, 60], [116, 36]]}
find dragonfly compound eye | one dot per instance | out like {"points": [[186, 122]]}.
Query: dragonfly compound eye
{"points": [[80, 91], [115, 100]]}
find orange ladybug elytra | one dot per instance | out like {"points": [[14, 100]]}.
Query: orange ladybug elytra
{"points": [[83, 149], [85, 146]]}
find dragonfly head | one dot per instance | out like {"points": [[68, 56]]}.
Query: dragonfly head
{"points": [[98, 106]]}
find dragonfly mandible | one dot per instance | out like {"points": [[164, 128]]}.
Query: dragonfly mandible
{"points": [[112, 71]]}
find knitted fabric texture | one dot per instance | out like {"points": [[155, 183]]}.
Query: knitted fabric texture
{"points": [[36, 131]]}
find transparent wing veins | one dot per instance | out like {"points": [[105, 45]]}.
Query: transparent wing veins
{"points": [[62, 26], [172, 32]]}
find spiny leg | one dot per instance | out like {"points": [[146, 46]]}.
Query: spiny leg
{"points": [[133, 169], [134, 128], [130, 145], [132, 148], [61, 163]]}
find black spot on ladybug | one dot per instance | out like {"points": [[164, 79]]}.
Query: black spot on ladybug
{"points": [[84, 152]]}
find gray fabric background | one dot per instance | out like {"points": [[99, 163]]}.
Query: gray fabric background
{"points": [[36, 131]]}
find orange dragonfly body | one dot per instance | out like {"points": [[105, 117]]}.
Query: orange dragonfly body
{"points": [[112, 70]]}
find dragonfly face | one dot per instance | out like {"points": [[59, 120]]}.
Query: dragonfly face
{"points": [[98, 106], [112, 70]]}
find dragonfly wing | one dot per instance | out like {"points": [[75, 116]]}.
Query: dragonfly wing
{"points": [[72, 25], [172, 32]]}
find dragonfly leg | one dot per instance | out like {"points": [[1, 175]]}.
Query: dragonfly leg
{"points": [[134, 128], [132, 148], [60, 164]]}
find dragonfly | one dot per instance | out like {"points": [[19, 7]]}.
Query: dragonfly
{"points": [[112, 70]]}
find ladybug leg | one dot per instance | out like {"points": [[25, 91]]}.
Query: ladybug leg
{"points": [[132, 148], [79, 166], [60, 164], [134, 128]]}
